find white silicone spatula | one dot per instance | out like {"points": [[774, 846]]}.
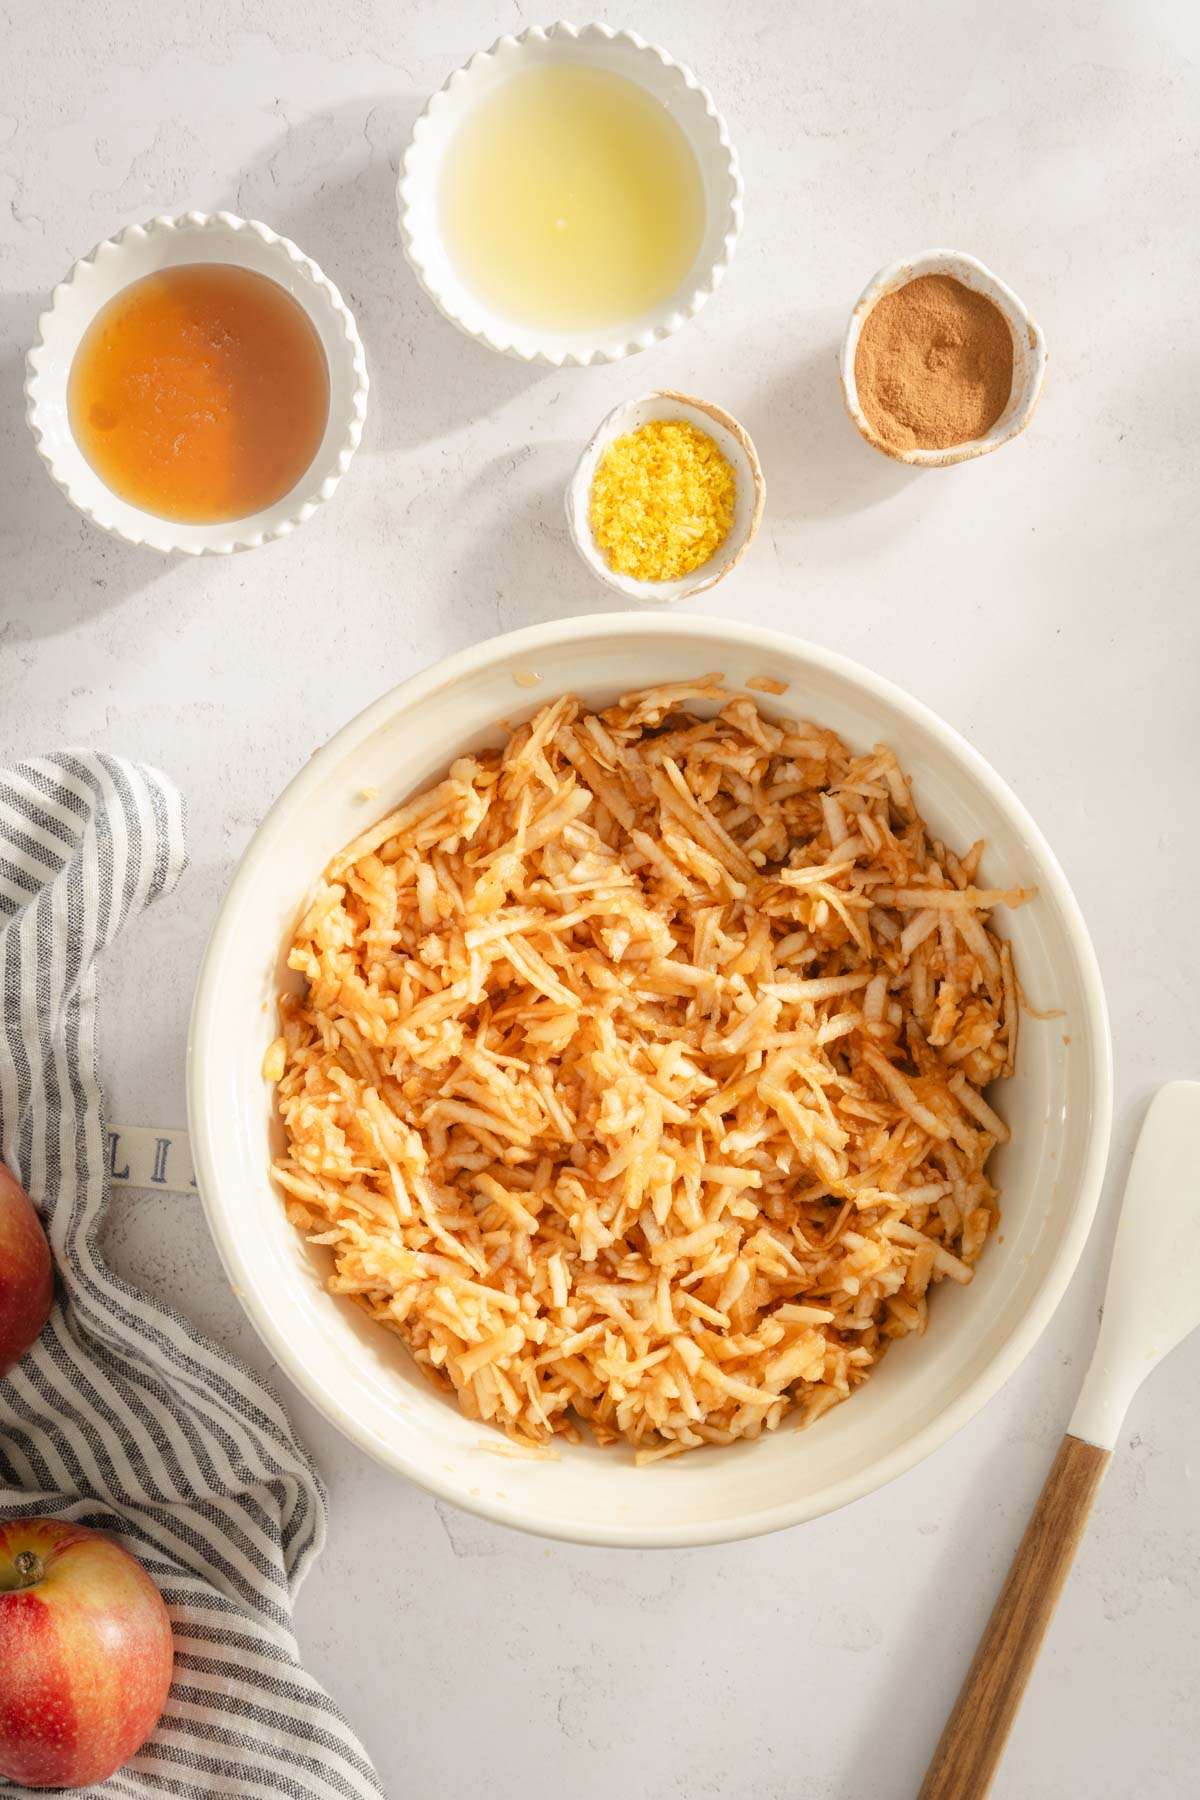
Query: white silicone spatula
{"points": [[1152, 1303]]}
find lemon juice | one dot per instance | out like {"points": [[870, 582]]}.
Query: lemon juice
{"points": [[571, 199]]}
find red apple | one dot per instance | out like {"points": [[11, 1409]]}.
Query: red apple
{"points": [[85, 1654], [26, 1276]]}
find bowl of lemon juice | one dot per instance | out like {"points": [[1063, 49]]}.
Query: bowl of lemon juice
{"points": [[570, 196]]}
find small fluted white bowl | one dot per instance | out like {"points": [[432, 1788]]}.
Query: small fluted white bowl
{"points": [[1029, 354], [141, 250], [597, 46], [734, 443]]}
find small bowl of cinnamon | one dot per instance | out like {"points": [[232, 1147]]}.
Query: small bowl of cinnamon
{"points": [[941, 361]]}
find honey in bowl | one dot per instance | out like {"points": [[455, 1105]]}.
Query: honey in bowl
{"points": [[200, 393], [571, 199]]}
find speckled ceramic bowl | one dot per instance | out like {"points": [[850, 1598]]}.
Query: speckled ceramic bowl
{"points": [[1029, 354], [141, 250], [597, 46], [735, 444]]}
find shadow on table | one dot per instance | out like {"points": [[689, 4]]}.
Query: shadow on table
{"points": [[816, 463], [932, 1649], [331, 186], [58, 567], [524, 564]]}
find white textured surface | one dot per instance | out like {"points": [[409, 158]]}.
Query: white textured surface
{"points": [[1043, 600]]}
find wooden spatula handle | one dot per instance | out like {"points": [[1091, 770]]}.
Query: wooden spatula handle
{"points": [[970, 1747]]}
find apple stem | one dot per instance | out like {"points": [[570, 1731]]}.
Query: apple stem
{"points": [[29, 1567]]}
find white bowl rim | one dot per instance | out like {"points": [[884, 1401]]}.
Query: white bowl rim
{"points": [[734, 546], [286, 514], [897, 274], [602, 350], [205, 1129]]}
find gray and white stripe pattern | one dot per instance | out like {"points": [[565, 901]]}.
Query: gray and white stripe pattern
{"points": [[122, 1416]]}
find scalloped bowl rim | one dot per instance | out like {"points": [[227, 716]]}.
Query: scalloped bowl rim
{"points": [[87, 491], [579, 349]]}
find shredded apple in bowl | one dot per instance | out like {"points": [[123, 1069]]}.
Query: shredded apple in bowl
{"points": [[638, 1076]]}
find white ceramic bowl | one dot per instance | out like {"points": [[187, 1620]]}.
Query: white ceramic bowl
{"points": [[361, 1376], [1029, 354], [140, 250], [737, 447], [598, 46]]}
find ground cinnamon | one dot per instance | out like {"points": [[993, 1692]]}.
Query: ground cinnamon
{"points": [[934, 365]]}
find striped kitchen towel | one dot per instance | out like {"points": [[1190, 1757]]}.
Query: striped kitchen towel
{"points": [[122, 1416]]}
